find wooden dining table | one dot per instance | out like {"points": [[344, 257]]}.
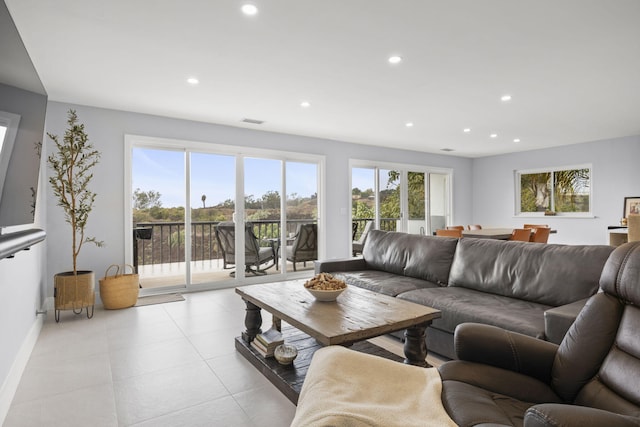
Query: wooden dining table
{"points": [[492, 233]]}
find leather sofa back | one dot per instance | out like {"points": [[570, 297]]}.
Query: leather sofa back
{"points": [[543, 273], [423, 257], [598, 362]]}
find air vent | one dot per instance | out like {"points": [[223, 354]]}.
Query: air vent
{"points": [[447, 149], [253, 121]]}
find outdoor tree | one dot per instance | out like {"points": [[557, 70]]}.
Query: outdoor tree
{"points": [[204, 197], [146, 199]]}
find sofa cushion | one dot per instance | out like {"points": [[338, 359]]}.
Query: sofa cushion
{"points": [[383, 282], [460, 305], [422, 257], [543, 273]]}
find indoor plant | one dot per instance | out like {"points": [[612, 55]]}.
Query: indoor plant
{"points": [[72, 163]]}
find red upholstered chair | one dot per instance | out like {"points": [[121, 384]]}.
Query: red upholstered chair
{"points": [[540, 235], [521, 234], [449, 233]]}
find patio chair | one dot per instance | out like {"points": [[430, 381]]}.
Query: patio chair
{"points": [[358, 245], [305, 245], [254, 255]]}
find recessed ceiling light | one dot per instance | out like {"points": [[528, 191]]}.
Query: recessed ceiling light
{"points": [[249, 9], [493, 135], [409, 124], [516, 140], [466, 130], [193, 81], [505, 98], [305, 104], [395, 59]]}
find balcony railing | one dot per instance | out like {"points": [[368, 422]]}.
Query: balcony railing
{"points": [[166, 240]]}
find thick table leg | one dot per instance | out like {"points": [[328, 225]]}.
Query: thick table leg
{"points": [[415, 345], [252, 321]]}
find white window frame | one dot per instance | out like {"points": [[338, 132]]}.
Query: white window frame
{"points": [[518, 192], [404, 168]]}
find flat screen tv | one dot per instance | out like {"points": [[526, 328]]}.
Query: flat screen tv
{"points": [[23, 104]]}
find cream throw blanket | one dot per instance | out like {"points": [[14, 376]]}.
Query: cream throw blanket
{"points": [[345, 388]]}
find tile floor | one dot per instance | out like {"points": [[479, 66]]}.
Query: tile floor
{"points": [[171, 364]]}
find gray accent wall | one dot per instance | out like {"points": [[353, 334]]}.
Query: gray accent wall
{"points": [[107, 128], [616, 175]]}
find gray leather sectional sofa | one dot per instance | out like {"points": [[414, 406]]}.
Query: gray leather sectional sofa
{"points": [[531, 288]]}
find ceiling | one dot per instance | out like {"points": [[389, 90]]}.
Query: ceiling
{"points": [[572, 67]]}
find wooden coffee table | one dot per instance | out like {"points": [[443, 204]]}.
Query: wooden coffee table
{"points": [[357, 315]]}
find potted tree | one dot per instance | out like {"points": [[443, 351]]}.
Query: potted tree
{"points": [[72, 163]]}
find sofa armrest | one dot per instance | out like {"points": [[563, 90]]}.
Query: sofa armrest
{"points": [[504, 349], [345, 264], [558, 320], [556, 415]]}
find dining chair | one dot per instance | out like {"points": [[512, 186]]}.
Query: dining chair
{"points": [[449, 233], [532, 226], [455, 227], [633, 227], [540, 235], [474, 227], [520, 234]]}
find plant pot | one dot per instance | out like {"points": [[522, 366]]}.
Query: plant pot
{"points": [[74, 292]]}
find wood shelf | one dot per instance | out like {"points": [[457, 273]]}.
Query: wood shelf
{"points": [[289, 378]]}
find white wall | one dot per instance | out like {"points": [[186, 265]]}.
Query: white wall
{"points": [[616, 175], [106, 130], [23, 292]]}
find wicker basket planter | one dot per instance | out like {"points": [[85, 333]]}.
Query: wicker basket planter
{"points": [[74, 292], [121, 290]]}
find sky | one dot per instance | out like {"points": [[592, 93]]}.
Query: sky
{"points": [[213, 175]]}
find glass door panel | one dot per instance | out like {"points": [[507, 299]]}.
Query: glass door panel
{"points": [[262, 208], [212, 194], [416, 203], [158, 216], [301, 216], [389, 200], [438, 201], [363, 204]]}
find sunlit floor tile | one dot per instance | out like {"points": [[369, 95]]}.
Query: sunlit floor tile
{"points": [[91, 406], [220, 412], [159, 393]]}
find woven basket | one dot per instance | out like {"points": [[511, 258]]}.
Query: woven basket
{"points": [[120, 290]]}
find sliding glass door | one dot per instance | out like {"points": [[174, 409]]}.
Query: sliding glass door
{"points": [[399, 198], [174, 247]]}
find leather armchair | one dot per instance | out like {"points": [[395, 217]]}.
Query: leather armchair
{"points": [[592, 378]]}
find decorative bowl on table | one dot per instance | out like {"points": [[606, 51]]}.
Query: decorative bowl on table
{"points": [[285, 354], [325, 287]]}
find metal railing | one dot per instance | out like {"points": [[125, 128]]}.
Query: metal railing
{"points": [[164, 242]]}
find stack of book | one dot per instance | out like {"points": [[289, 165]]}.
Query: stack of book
{"points": [[266, 342]]}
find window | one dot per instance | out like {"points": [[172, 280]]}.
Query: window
{"points": [[563, 191]]}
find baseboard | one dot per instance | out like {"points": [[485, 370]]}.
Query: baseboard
{"points": [[10, 386]]}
